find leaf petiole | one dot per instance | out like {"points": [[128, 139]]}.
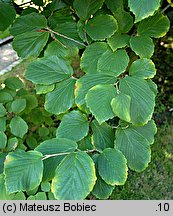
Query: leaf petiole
{"points": [[64, 36], [66, 153]]}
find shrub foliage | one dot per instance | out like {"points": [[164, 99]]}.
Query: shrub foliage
{"points": [[92, 67]]}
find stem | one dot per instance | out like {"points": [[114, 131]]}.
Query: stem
{"points": [[55, 155], [89, 151], [86, 39], [115, 127], [91, 118], [116, 85], [74, 77], [53, 36], [125, 127], [63, 36], [66, 153], [164, 9]]}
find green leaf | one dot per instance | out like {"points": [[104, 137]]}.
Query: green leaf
{"points": [[48, 70], [152, 86], [18, 126], [9, 91], [4, 195], [51, 196], [19, 196], [103, 135], [148, 131], [7, 15], [59, 15], [86, 8], [31, 102], [28, 23], [68, 29], [29, 10], [142, 46], [5, 97], [61, 98], [43, 89], [85, 144], [142, 99], [54, 146], [43, 132], [92, 54], [2, 159], [49, 122], [31, 198], [143, 8], [40, 196], [8, 107], [81, 30], [113, 5], [37, 117], [74, 126], [30, 43], [155, 26], [101, 189], [21, 92], [87, 82], [3, 140], [45, 186], [95, 99], [113, 62], [2, 110], [143, 68], [101, 27], [18, 105], [112, 167], [2, 124], [134, 142], [121, 106], [55, 48], [38, 2], [31, 142], [12, 144], [78, 172], [23, 170], [21, 146], [124, 19], [14, 83], [33, 191], [118, 41]]}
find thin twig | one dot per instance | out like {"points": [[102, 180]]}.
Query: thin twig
{"points": [[86, 39], [91, 118], [125, 127], [115, 127], [55, 155], [74, 78], [164, 9], [85, 33], [53, 36], [88, 151], [66, 153], [64, 36], [117, 88]]}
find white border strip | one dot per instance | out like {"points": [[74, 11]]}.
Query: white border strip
{"points": [[87, 207]]}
